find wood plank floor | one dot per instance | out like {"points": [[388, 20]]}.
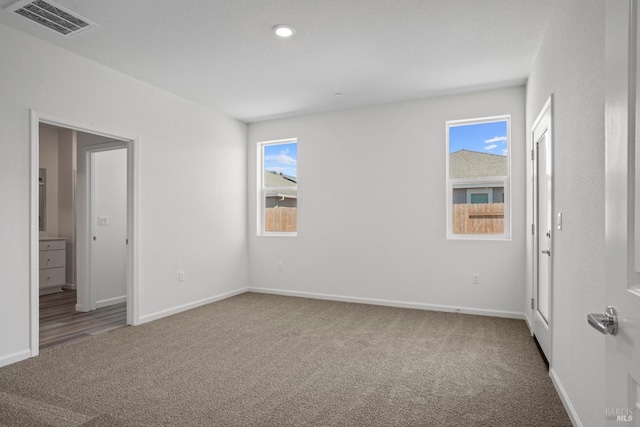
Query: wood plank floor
{"points": [[60, 322]]}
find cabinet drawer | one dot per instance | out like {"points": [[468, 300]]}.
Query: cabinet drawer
{"points": [[52, 259], [52, 245], [52, 277]]}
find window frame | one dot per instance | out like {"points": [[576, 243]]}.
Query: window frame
{"points": [[261, 189], [478, 183]]}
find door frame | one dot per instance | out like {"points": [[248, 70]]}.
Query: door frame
{"points": [[131, 144], [546, 111]]}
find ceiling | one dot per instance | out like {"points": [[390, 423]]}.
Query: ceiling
{"points": [[222, 53]]}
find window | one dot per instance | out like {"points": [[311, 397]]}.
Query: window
{"points": [[479, 195], [478, 171], [278, 188]]}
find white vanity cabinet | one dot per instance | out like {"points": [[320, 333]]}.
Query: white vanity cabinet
{"points": [[52, 264]]}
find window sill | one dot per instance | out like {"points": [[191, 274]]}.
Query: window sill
{"points": [[487, 237]]}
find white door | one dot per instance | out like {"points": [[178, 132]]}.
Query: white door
{"points": [[108, 256], [543, 228], [622, 213]]}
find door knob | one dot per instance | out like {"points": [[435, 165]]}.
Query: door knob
{"points": [[548, 251], [606, 323]]}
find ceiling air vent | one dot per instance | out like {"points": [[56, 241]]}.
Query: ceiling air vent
{"points": [[52, 16]]}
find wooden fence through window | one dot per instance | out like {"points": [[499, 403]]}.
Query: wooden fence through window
{"points": [[478, 218], [281, 219]]}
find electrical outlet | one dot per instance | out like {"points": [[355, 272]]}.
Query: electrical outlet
{"points": [[475, 278], [280, 265], [180, 276]]}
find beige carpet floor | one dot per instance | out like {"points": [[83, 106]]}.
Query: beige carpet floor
{"points": [[264, 360]]}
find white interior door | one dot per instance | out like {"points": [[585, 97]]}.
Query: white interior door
{"points": [[543, 228], [622, 204], [108, 259]]}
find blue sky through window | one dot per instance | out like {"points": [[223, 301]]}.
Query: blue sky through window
{"points": [[481, 137], [282, 158]]}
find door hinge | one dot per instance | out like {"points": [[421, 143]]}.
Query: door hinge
{"points": [[126, 241], [532, 304], [533, 229], [533, 155]]}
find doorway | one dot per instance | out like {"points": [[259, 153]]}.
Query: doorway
{"points": [[104, 191], [542, 154]]}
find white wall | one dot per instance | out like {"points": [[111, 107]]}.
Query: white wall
{"points": [[371, 223], [109, 250], [570, 64], [192, 180]]}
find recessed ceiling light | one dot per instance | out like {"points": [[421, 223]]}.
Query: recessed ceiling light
{"points": [[283, 31]]}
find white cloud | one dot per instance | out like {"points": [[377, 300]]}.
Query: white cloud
{"points": [[282, 159], [504, 151], [490, 147], [502, 139]]}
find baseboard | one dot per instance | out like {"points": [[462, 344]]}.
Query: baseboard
{"points": [[110, 301], [529, 324], [189, 306], [69, 287], [392, 303], [49, 290], [14, 357], [573, 416]]}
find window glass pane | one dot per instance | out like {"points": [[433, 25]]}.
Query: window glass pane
{"points": [[478, 172], [279, 187], [281, 210], [280, 166], [478, 150]]}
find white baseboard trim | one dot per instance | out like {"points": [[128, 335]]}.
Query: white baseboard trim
{"points": [[573, 415], [110, 301], [14, 357], [189, 306], [529, 324], [392, 303]]}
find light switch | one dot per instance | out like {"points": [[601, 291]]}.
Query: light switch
{"points": [[559, 220], [102, 221]]}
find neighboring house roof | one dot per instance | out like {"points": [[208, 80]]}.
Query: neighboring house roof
{"points": [[473, 164], [278, 179]]}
